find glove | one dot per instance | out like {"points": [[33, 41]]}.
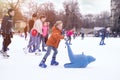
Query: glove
{"points": [[38, 35], [11, 35]]}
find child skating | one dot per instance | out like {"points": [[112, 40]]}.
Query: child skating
{"points": [[69, 34], [32, 43], [53, 43], [44, 35]]}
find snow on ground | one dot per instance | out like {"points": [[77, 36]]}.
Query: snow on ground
{"points": [[22, 66]]}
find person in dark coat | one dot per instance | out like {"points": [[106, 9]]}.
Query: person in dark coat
{"points": [[25, 31], [103, 35], [31, 24], [82, 35], [6, 30]]}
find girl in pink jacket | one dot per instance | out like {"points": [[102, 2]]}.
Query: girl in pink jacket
{"points": [[69, 34], [45, 31]]}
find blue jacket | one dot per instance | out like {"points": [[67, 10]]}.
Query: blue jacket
{"points": [[103, 33]]}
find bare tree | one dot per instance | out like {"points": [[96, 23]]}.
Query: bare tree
{"points": [[14, 5], [48, 10], [88, 21], [103, 19], [99, 20], [72, 12], [1, 8]]}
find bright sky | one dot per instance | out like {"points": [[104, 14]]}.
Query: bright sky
{"points": [[94, 6], [86, 6]]}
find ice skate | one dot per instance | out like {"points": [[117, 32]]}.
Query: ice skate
{"points": [[38, 52], [42, 65], [30, 50], [25, 50], [5, 55], [1, 51], [44, 50], [70, 43], [53, 62], [102, 44]]}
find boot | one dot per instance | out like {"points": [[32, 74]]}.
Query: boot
{"points": [[33, 50], [1, 51], [53, 62], [103, 43], [5, 54], [44, 50], [25, 50], [42, 64], [39, 50]]}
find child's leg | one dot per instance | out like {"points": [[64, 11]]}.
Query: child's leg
{"points": [[54, 62], [48, 52], [25, 35], [70, 40], [29, 46], [30, 39], [46, 38], [38, 41], [55, 52], [42, 63], [101, 41], [43, 44]]}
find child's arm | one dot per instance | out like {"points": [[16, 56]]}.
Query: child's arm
{"points": [[58, 36]]}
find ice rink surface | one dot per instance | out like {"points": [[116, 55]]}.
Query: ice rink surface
{"points": [[21, 66]]}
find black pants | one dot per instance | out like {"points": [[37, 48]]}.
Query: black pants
{"points": [[46, 38], [69, 39], [102, 41], [6, 42], [25, 34]]}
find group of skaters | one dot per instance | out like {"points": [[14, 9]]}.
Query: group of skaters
{"points": [[38, 29], [39, 32]]}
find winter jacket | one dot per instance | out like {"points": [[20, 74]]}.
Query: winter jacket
{"points": [[55, 37], [69, 33], [7, 24], [31, 24], [103, 33], [38, 26], [45, 31]]}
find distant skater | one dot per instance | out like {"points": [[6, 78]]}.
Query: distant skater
{"points": [[103, 34]]}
